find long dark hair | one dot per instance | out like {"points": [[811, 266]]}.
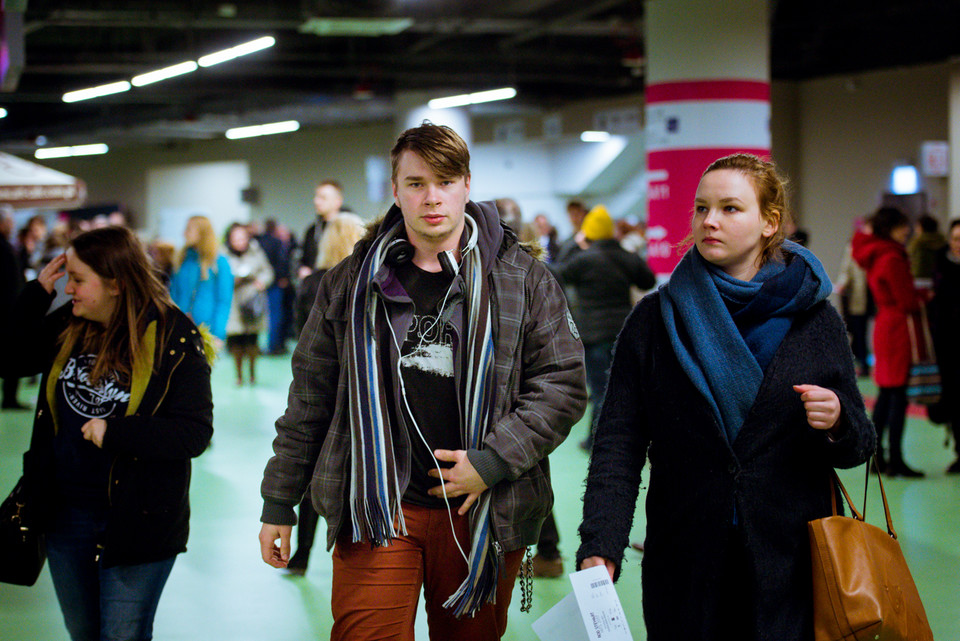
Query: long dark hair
{"points": [[116, 255]]}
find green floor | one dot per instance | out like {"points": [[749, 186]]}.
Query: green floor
{"points": [[221, 589]]}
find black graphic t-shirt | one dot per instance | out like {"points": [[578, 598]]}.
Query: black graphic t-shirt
{"points": [[83, 469], [429, 385]]}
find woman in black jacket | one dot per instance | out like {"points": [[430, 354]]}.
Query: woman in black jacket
{"points": [[737, 382], [124, 405], [945, 318]]}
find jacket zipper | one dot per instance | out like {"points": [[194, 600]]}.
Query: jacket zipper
{"points": [[167, 388]]}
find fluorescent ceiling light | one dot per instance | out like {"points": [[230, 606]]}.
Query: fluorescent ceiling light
{"points": [[236, 52], [163, 74], [67, 152], [472, 98], [595, 136], [96, 92], [364, 27], [263, 130], [3, 112]]}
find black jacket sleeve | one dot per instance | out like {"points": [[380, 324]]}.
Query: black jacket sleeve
{"points": [[31, 333]]}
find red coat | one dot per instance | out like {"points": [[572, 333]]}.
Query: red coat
{"points": [[890, 282]]}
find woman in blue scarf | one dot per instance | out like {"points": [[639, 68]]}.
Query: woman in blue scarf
{"points": [[737, 383]]}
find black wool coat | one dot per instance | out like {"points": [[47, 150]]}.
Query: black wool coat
{"points": [[148, 489], [761, 490]]}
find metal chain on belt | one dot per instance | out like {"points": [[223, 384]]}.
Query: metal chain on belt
{"points": [[526, 581]]}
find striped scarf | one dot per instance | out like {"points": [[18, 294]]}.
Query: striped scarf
{"points": [[375, 491]]}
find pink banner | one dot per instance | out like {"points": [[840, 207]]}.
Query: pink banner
{"points": [[689, 125], [673, 185]]}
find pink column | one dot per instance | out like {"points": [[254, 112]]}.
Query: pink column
{"points": [[691, 123]]}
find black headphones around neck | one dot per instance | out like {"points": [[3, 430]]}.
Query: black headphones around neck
{"points": [[400, 251]]}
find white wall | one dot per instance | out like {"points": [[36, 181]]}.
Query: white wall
{"points": [[851, 131], [177, 192]]}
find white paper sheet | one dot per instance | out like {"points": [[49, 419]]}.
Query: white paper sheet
{"points": [[592, 612]]}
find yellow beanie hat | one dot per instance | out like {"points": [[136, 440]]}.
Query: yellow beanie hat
{"points": [[598, 225]]}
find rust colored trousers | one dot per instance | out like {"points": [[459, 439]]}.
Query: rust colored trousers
{"points": [[376, 590]]}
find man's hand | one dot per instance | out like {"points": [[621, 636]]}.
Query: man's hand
{"points": [[93, 430], [821, 404], [461, 479], [278, 557]]}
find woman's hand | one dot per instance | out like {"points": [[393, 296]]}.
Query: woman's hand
{"points": [[592, 561], [821, 404], [93, 430], [53, 271]]}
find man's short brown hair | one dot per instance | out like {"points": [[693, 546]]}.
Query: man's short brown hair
{"points": [[439, 146], [333, 183]]}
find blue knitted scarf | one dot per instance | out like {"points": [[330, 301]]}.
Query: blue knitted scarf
{"points": [[725, 331], [375, 491]]}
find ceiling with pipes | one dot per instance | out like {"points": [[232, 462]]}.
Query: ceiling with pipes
{"points": [[339, 61]]}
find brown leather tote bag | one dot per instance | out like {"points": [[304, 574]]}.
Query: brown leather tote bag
{"points": [[862, 588]]}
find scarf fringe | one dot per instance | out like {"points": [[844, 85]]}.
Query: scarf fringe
{"points": [[480, 586]]}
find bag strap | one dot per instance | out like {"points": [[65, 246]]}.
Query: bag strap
{"points": [[927, 335], [833, 497], [861, 516], [914, 339]]}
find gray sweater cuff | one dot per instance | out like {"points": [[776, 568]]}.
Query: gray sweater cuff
{"points": [[491, 468], [277, 514]]}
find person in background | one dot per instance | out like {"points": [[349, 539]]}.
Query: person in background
{"points": [[576, 211], [278, 253], [797, 234], [736, 379], [547, 563], [292, 250], [437, 308], [337, 244], [945, 320], [883, 255], [124, 405], [32, 241], [252, 275], [11, 282], [327, 201], [855, 304], [547, 236], [202, 283], [927, 243], [602, 275], [632, 237], [163, 257]]}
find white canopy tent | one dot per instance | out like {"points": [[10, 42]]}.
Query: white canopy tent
{"points": [[25, 184]]}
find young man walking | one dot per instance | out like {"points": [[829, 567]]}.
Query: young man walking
{"points": [[438, 369]]}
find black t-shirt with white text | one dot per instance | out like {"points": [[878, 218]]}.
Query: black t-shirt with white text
{"points": [[429, 384], [83, 469]]}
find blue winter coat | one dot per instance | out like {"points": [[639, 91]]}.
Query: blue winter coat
{"points": [[207, 302]]}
